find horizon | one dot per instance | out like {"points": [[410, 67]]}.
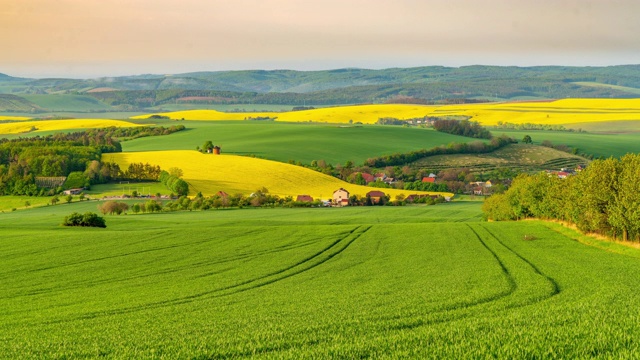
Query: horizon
{"points": [[80, 39], [315, 70]]}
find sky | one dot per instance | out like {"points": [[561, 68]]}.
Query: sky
{"points": [[98, 38]]}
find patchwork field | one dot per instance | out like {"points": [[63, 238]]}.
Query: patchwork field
{"points": [[299, 142], [20, 127], [521, 157], [311, 283], [233, 174], [560, 112]]}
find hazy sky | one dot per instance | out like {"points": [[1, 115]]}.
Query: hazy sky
{"points": [[94, 38]]}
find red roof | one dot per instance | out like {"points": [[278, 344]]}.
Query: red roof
{"points": [[368, 177], [428, 179], [375, 193], [341, 189], [222, 194], [304, 198]]}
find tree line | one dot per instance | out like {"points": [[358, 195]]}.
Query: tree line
{"points": [[601, 199], [462, 127]]}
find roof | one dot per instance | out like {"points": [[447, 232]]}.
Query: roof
{"points": [[428, 179], [341, 189], [222, 194], [375, 193], [304, 198], [368, 177]]}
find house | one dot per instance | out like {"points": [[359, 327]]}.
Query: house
{"points": [[341, 197], [432, 175], [222, 194], [216, 150], [304, 198], [368, 177], [376, 196], [562, 174], [73, 191], [380, 176], [477, 190], [428, 179]]}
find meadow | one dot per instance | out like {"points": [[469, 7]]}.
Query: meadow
{"points": [[421, 282], [208, 174], [299, 142]]}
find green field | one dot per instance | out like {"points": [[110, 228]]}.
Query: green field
{"points": [[422, 282], [522, 157], [299, 142], [225, 107], [605, 145]]}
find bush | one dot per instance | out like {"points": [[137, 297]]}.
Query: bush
{"points": [[89, 219]]}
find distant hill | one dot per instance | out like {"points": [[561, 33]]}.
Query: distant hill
{"points": [[431, 84]]}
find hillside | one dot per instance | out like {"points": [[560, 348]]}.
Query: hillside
{"points": [[232, 174], [433, 84]]}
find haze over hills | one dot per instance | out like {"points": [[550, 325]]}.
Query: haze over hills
{"points": [[432, 84]]}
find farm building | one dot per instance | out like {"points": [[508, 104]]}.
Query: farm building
{"points": [[368, 177], [428, 179], [222, 194], [72, 191], [376, 196], [216, 150], [304, 198], [341, 197]]}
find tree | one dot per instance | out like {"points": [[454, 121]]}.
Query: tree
{"points": [[54, 200], [624, 213], [174, 171], [69, 199], [208, 146], [527, 139]]}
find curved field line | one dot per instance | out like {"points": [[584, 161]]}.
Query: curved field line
{"points": [[556, 287], [304, 265], [511, 291]]}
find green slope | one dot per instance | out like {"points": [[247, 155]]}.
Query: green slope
{"points": [[80, 103], [299, 142]]}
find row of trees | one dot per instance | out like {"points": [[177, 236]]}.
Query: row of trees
{"points": [[466, 128], [601, 199], [174, 183]]}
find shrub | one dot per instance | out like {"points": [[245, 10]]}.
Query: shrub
{"points": [[89, 219]]}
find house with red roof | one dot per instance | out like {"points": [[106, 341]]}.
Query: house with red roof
{"points": [[376, 196], [304, 198]]}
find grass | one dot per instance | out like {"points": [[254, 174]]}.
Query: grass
{"points": [[609, 86], [604, 145], [516, 156], [233, 174], [299, 142], [418, 282]]}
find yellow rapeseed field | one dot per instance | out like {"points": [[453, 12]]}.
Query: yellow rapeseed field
{"points": [[366, 114], [233, 174], [48, 125], [13, 118], [560, 112]]}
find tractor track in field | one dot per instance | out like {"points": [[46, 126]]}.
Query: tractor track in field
{"points": [[306, 264], [411, 323]]}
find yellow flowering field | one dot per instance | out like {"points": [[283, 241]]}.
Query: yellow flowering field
{"points": [[48, 125], [366, 114], [560, 112], [233, 174], [13, 118]]}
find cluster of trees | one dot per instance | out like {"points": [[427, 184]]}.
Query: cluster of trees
{"points": [[476, 147], [141, 172], [426, 186], [173, 182], [89, 219], [113, 207], [601, 199], [136, 132], [462, 127]]}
